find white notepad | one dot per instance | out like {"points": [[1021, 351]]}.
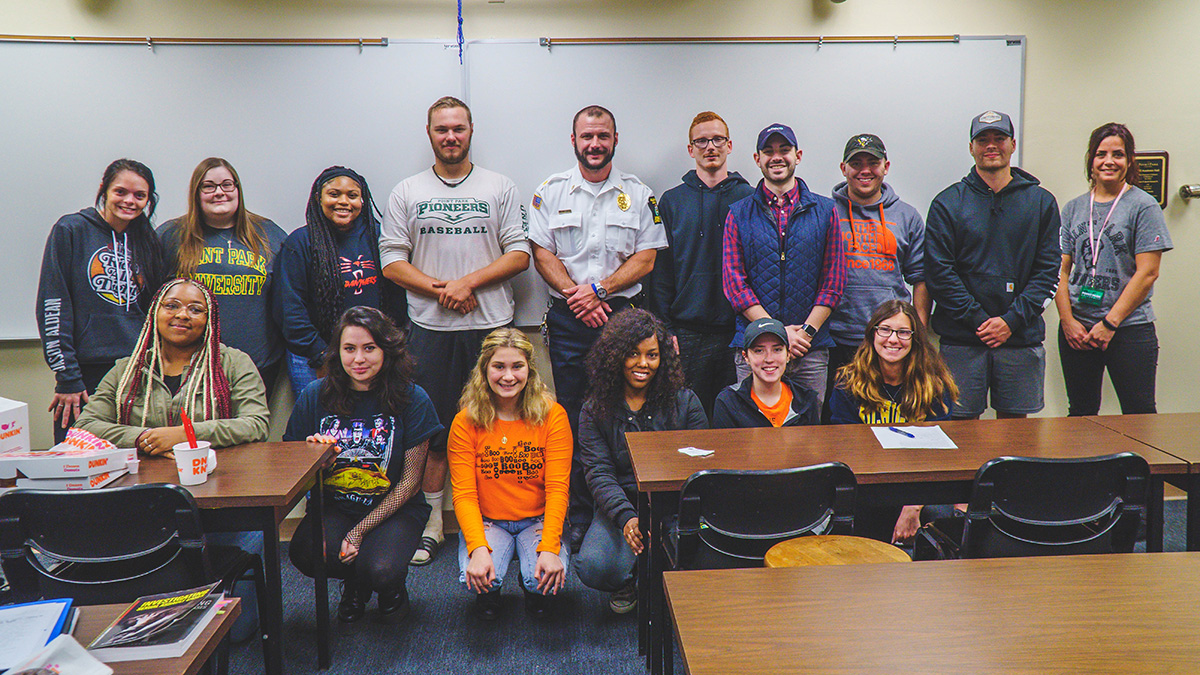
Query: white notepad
{"points": [[931, 438]]}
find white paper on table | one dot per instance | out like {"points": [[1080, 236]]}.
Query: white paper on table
{"points": [[64, 656], [696, 452], [924, 438], [26, 629]]}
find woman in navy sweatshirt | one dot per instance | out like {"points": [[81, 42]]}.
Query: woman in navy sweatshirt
{"points": [[101, 267], [328, 266]]}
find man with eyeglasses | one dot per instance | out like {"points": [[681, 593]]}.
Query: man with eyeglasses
{"points": [[685, 288], [991, 263], [884, 240], [784, 259], [595, 232], [452, 235]]}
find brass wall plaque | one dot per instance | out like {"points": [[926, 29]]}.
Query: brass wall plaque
{"points": [[1152, 175]]}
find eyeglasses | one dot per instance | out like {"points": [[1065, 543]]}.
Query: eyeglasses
{"points": [[885, 332], [173, 307], [226, 186], [717, 142]]}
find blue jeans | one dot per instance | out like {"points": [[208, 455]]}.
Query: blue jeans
{"points": [[506, 537], [605, 562], [299, 373]]}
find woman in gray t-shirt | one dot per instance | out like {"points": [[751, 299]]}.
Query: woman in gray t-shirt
{"points": [[1112, 241]]}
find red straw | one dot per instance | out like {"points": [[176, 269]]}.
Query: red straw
{"points": [[188, 429]]}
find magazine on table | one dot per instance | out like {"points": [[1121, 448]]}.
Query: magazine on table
{"points": [[158, 626]]}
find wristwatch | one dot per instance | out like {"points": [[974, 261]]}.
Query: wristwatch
{"points": [[601, 292], [812, 332]]}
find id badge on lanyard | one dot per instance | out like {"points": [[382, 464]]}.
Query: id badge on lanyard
{"points": [[1089, 294]]}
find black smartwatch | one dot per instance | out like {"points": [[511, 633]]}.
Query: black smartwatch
{"points": [[812, 332]]}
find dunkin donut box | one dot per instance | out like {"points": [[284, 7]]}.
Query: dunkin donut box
{"points": [[14, 425], [80, 456]]}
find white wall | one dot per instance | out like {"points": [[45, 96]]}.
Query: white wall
{"points": [[1088, 63]]}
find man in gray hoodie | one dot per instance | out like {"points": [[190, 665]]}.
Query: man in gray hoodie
{"points": [[885, 249]]}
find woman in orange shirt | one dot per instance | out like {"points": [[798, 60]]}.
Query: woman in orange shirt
{"points": [[510, 463]]}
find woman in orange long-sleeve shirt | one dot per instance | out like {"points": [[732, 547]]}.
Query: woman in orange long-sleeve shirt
{"points": [[510, 464]]}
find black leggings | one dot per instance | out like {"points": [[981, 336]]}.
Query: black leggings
{"points": [[382, 560]]}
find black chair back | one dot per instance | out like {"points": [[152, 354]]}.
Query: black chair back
{"points": [[732, 518], [102, 546], [1022, 506]]}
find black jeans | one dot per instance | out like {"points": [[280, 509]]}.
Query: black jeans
{"points": [[570, 341], [707, 361], [1132, 363], [839, 355], [382, 560]]}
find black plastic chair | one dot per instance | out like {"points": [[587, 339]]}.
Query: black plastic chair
{"points": [[1024, 506], [730, 519], [113, 545]]}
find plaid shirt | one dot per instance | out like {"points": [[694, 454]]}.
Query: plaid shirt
{"points": [[833, 265]]}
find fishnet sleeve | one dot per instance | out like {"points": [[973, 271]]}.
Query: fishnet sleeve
{"points": [[401, 492]]}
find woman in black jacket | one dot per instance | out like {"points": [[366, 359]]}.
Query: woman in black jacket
{"points": [[636, 385], [768, 397]]}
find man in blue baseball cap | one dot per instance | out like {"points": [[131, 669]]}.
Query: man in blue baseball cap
{"points": [[783, 258]]}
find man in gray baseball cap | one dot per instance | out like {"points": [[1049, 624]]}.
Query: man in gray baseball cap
{"points": [[991, 264]]}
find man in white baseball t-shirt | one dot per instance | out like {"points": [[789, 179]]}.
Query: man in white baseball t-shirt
{"points": [[452, 236]]}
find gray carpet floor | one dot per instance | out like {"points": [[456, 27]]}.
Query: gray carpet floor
{"points": [[441, 635]]}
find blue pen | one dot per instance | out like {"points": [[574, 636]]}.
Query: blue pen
{"points": [[901, 432]]}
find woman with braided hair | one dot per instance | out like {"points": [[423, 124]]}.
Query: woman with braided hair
{"points": [[179, 365], [380, 422], [328, 266]]}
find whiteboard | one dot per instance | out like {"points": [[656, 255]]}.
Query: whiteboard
{"points": [[281, 114], [918, 97]]}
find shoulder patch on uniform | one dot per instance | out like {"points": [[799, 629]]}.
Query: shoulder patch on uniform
{"points": [[537, 202], [653, 204]]}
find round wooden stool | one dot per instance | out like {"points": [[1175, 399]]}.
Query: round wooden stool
{"points": [[832, 549]]}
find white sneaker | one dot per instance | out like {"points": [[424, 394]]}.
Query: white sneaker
{"points": [[624, 600]]}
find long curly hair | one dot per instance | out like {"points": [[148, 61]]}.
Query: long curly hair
{"points": [[606, 364], [247, 226], [393, 382], [205, 377], [926, 379], [534, 401], [324, 272]]}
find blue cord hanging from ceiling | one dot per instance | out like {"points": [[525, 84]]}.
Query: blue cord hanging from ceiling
{"points": [[460, 33]]}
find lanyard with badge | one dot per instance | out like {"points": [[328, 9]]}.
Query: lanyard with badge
{"points": [[1088, 293]]}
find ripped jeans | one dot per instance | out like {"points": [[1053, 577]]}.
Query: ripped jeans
{"points": [[506, 537]]}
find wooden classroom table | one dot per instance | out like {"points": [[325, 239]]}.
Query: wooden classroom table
{"points": [[93, 619], [1117, 613], [253, 488], [1176, 434], [884, 476]]}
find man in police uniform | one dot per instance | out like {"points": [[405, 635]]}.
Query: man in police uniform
{"points": [[452, 235], [594, 232]]}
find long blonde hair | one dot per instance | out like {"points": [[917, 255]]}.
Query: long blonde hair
{"points": [[534, 400], [926, 379], [247, 226]]}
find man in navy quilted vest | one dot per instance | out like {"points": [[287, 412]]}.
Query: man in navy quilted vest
{"points": [[784, 258]]}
